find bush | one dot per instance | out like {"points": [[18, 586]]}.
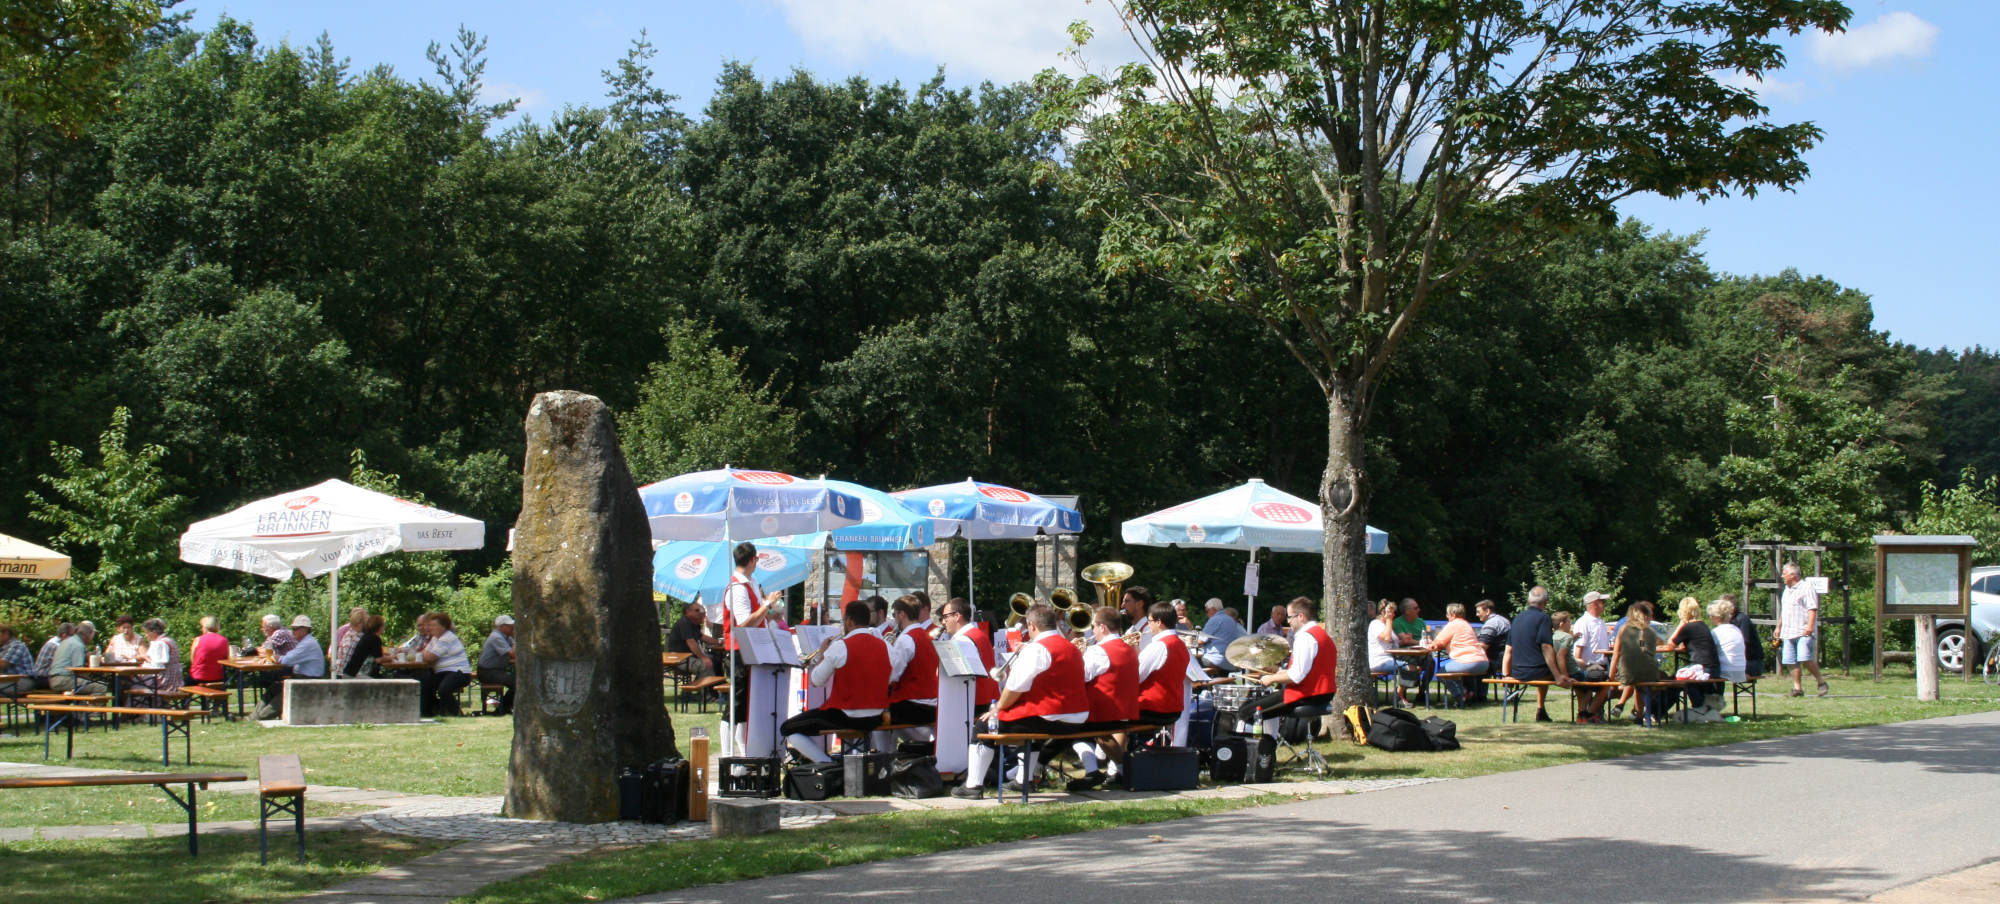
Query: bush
{"points": [[1568, 580]]}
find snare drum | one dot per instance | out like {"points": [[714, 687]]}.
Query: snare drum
{"points": [[1233, 697]]}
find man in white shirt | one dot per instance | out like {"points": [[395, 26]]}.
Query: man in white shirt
{"points": [[854, 669], [743, 607], [1043, 694], [1592, 637], [305, 659], [1798, 624]]}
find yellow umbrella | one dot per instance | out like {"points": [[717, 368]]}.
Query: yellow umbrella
{"points": [[21, 559]]}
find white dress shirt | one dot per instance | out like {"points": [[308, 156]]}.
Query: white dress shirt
{"points": [[831, 661], [1305, 649]]}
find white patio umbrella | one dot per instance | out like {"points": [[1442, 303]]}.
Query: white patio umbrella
{"points": [[321, 529], [1249, 517], [26, 561]]}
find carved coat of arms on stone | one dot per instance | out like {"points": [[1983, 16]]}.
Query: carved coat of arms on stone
{"points": [[564, 685]]}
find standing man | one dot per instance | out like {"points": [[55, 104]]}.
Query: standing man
{"points": [[1309, 681], [1798, 626], [1044, 694], [1531, 653], [1593, 641], [496, 661], [743, 607]]}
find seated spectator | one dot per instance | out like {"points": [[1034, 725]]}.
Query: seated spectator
{"points": [[1275, 627], [277, 641], [1493, 630], [364, 660], [1692, 637], [346, 636], [1633, 660], [161, 653], [15, 660], [1753, 646], [1565, 642], [304, 658], [690, 636], [1382, 639], [1181, 622], [47, 655], [1217, 632], [1465, 655], [1530, 653], [450, 670], [210, 649], [124, 647], [496, 661], [72, 652], [1410, 625], [1729, 651]]}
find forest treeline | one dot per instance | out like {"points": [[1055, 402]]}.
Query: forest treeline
{"points": [[285, 268]]}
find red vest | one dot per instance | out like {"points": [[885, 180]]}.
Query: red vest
{"points": [[1319, 678], [1164, 690], [1059, 688], [920, 677], [863, 681], [985, 689], [1114, 695], [728, 617]]}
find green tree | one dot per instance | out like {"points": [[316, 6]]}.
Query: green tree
{"points": [[120, 525], [1567, 579], [697, 410], [1972, 507], [59, 59], [1331, 168], [1803, 466]]}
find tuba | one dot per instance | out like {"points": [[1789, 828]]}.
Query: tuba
{"points": [[1110, 578], [1074, 609], [1018, 606]]}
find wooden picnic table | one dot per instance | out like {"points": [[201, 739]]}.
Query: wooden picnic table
{"points": [[243, 666], [117, 674], [187, 804]]}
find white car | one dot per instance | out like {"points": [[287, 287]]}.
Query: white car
{"points": [[1953, 643]]}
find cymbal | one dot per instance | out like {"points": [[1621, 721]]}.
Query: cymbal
{"points": [[1257, 651]]}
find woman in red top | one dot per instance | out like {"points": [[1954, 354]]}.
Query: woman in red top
{"points": [[210, 649]]}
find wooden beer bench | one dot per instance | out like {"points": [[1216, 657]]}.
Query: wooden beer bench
{"points": [[1515, 689], [1007, 740], [187, 804], [280, 778], [172, 722]]}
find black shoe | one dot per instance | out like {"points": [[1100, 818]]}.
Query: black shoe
{"points": [[1089, 782], [1542, 715], [1013, 786], [963, 793]]}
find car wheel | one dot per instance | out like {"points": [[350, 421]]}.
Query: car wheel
{"points": [[1951, 649]]}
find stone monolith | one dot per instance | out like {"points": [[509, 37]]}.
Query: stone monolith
{"points": [[587, 654]]}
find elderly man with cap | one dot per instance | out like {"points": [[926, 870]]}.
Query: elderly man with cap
{"points": [[496, 661], [1216, 632], [1593, 649], [303, 659]]}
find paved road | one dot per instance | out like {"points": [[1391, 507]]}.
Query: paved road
{"points": [[1843, 814]]}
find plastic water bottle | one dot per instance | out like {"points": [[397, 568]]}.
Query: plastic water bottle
{"points": [[1257, 723]]}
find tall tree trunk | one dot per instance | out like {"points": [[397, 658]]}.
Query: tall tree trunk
{"points": [[1343, 500]]}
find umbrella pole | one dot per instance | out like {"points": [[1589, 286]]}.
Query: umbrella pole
{"points": [[332, 607], [971, 601], [1250, 599]]}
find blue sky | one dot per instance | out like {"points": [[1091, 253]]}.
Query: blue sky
{"points": [[1907, 99]]}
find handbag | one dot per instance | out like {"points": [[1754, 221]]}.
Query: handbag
{"points": [[915, 778]]}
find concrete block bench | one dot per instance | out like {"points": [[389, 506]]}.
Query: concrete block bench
{"points": [[321, 701]]}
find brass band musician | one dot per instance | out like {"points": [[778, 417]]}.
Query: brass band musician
{"points": [[1309, 680], [1111, 681], [1044, 693], [854, 669], [913, 667]]}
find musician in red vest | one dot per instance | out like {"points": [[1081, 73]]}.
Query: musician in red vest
{"points": [[913, 667], [973, 639], [743, 607], [1111, 679], [1163, 667], [1043, 693], [1309, 680], [854, 669]]}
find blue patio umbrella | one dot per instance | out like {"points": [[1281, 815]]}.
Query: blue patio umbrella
{"points": [[886, 524], [739, 504], [989, 511], [686, 569]]}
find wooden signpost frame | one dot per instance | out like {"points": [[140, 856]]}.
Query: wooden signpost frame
{"points": [[1885, 546]]}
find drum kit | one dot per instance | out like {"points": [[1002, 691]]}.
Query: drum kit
{"points": [[1255, 654]]}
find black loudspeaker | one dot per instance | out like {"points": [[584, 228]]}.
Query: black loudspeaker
{"points": [[1244, 759]]}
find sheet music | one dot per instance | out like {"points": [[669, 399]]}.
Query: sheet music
{"points": [[807, 638], [782, 644], [756, 647], [953, 661]]}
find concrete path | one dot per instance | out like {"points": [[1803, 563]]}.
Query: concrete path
{"points": [[1840, 815], [439, 877]]}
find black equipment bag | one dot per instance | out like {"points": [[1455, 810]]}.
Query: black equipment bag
{"points": [[866, 774], [664, 791], [631, 793], [1244, 759], [1163, 769], [1202, 725], [813, 781], [1396, 729], [1443, 733], [915, 777]]}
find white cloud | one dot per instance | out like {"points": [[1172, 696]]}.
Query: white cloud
{"points": [[1002, 40], [528, 99], [1768, 89], [1894, 35]]}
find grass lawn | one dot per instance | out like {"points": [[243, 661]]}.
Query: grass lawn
{"points": [[158, 870], [134, 804], [860, 839]]}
